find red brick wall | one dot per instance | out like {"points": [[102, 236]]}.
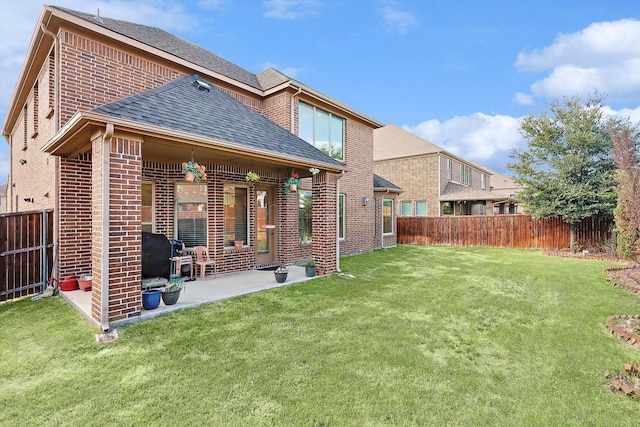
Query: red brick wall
{"points": [[324, 221], [74, 217]]}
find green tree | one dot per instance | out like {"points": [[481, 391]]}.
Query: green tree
{"points": [[566, 170]]}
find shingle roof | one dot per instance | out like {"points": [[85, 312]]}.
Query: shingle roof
{"points": [[160, 39], [381, 183], [187, 106], [458, 192], [392, 142]]}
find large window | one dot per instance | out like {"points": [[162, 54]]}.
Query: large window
{"points": [[305, 216], [236, 215], [483, 181], [191, 214], [421, 208], [387, 216], [449, 165], [406, 208], [465, 174], [322, 129], [341, 216]]}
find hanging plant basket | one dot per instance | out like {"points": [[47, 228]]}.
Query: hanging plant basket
{"points": [[292, 184], [252, 177], [189, 176]]}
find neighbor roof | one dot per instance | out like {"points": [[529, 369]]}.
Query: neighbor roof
{"points": [[392, 142], [459, 192], [167, 42], [379, 183], [192, 105]]}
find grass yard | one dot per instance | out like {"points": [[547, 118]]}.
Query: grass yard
{"points": [[423, 336]]}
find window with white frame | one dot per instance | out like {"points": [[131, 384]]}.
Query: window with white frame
{"points": [[483, 181], [465, 174], [449, 167], [421, 208], [387, 216], [406, 208], [341, 216], [322, 129], [191, 214], [305, 220], [236, 215]]}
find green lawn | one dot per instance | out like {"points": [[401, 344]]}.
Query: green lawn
{"points": [[422, 336]]}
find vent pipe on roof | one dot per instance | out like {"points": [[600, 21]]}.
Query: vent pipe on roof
{"points": [[97, 18]]}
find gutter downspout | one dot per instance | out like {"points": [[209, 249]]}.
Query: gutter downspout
{"points": [[104, 289], [338, 222]]}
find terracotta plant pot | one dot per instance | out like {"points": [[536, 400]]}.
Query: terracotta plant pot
{"points": [[189, 176]]}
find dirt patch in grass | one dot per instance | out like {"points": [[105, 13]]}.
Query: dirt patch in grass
{"points": [[625, 277]]}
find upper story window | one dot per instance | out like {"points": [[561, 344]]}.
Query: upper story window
{"points": [[483, 181], [322, 129], [465, 174], [449, 166]]}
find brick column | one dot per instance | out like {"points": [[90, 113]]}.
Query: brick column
{"points": [[325, 187], [287, 231], [122, 259]]}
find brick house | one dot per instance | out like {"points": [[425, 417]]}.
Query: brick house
{"points": [[105, 112], [434, 181]]}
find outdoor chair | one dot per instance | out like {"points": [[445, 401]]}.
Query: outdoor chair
{"points": [[203, 260]]}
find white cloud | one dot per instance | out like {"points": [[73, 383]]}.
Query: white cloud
{"points": [[604, 57], [626, 113], [522, 99], [479, 137], [290, 9], [396, 20]]}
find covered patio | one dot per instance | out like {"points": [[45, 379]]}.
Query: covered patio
{"points": [[199, 292]]}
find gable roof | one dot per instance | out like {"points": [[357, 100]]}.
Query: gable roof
{"points": [[191, 105], [381, 184], [167, 42]]}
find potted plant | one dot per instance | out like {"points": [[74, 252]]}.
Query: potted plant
{"points": [[238, 244], [252, 177], [281, 273], [193, 172], [150, 299], [171, 292], [292, 183], [310, 268]]}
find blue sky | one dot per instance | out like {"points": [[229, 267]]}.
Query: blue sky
{"points": [[459, 73]]}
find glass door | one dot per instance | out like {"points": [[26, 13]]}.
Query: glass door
{"points": [[266, 230]]}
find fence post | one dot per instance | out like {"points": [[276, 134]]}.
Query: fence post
{"points": [[43, 251]]}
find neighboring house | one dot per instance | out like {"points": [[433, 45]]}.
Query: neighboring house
{"points": [[507, 188], [105, 112], [435, 182], [3, 198]]}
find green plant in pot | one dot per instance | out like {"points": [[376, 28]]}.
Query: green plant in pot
{"points": [[281, 273], [171, 292], [310, 268]]}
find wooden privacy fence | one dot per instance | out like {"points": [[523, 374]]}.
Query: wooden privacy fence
{"points": [[512, 231], [26, 253]]}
